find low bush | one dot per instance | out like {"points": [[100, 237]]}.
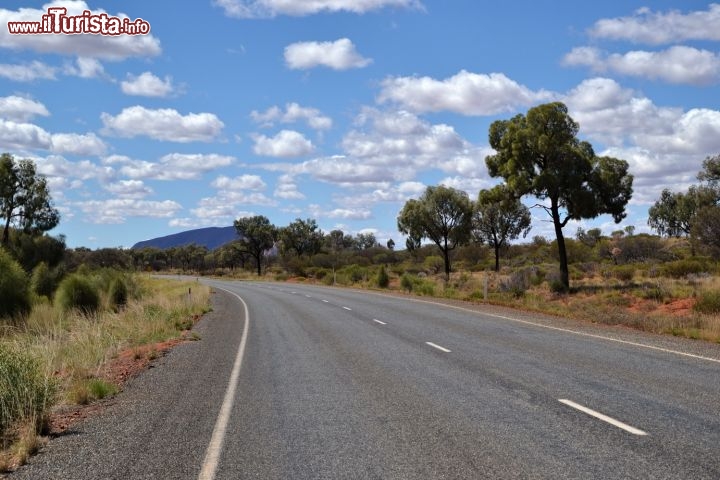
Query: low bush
{"points": [[42, 281], [624, 273], [14, 287], [78, 292], [708, 302], [406, 282], [683, 268], [118, 293], [383, 280]]}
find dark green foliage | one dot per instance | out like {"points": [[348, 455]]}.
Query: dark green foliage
{"points": [[539, 154], [43, 280], [383, 279], [14, 287], [25, 201], [76, 291], [118, 293], [443, 215], [257, 236]]}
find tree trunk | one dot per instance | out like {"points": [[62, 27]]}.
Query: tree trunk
{"points": [[258, 261], [446, 255], [497, 257], [564, 273], [6, 233]]}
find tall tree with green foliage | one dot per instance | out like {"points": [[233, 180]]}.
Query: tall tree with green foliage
{"points": [[673, 213], [301, 236], [25, 201], [539, 154], [443, 215], [499, 217], [257, 236]]}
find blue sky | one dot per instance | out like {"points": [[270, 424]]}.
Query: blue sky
{"points": [[342, 110]]}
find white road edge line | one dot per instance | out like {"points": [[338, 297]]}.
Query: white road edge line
{"points": [[378, 321], [212, 454], [604, 418], [560, 329], [326, 301], [442, 349], [348, 309]]}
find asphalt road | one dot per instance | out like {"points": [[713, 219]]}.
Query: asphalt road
{"points": [[330, 384]]}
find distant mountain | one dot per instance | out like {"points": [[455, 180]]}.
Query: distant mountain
{"points": [[211, 237]]}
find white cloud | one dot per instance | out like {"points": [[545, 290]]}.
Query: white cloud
{"points": [[243, 182], [21, 109], [77, 144], [174, 166], [117, 210], [272, 8], [22, 136], [338, 55], [286, 144], [465, 93], [318, 211], [91, 46], [27, 72], [86, 68], [646, 26], [388, 147], [677, 64], [287, 189], [129, 189], [163, 124], [293, 113], [147, 85]]}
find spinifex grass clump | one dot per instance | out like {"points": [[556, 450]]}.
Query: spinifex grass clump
{"points": [[25, 391], [76, 291]]}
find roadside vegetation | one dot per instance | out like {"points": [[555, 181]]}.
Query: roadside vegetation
{"points": [[67, 314]]}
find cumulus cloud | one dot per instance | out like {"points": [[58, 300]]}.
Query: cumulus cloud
{"points": [[293, 113], [286, 144], [77, 144], [109, 47], [163, 124], [129, 189], [465, 93], [23, 136], [85, 67], [21, 109], [174, 166], [272, 8], [655, 28], [287, 188], [147, 85], [319, 211], [243, 182], [678, 64], [117, 210], [338, 55], [27, 72]]}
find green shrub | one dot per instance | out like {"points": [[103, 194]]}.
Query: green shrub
{"points": [[25, 393], [624, 273], [517, 284], [383, 280], [708, 302], [14, 287], [406, 282], [118, 293], [43, 282], [682, 268], [76, 291]]}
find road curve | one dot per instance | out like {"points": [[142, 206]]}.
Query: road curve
{"points": [[346, 384]]}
